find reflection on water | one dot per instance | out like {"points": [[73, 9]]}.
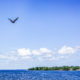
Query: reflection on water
{"points": [[39, 75]]}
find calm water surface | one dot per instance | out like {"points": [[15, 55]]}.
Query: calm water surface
{"points": [[39, 75]]}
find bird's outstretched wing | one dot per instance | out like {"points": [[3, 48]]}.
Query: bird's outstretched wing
{"points": [[16, 19], [13, 21]]}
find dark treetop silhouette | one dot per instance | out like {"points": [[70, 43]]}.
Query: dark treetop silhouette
{"points": [[13, 21]]}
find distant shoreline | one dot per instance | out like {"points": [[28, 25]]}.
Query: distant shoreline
{"points": [[62, 68]]}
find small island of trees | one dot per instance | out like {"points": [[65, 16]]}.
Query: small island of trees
{"points": [[56, 68]]}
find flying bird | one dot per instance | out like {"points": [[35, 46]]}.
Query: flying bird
{"points": [[13, 21]]}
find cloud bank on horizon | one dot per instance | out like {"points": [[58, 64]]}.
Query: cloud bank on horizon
{"points": [[41, 55]]}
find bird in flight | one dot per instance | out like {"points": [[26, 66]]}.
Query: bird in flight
{"points": [[13, 21]]}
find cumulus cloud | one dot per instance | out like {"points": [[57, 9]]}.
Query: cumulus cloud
{"points": [[36, 52], [40, 54], [46, 54], [28, 52], [41, 51], [24, 52], [45, 50], [68, 50]]}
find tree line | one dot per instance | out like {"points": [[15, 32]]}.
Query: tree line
{"points": [[56, 68]]}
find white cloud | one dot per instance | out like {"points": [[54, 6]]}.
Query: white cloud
{"points": [[36, 52], [8, 57], [28, 52], [24, 52], [67, 50], [40, 54], [41, 51], [45, 50]]}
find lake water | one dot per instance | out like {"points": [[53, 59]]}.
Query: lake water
{"points": [[39, 75]]}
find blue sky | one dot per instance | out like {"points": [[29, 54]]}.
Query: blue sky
{"points": [[46, 34]]}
